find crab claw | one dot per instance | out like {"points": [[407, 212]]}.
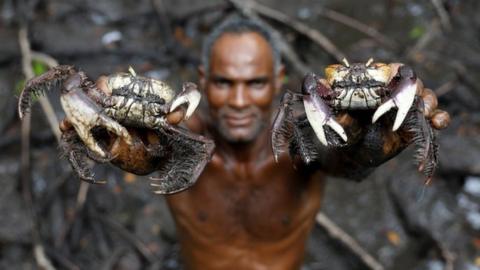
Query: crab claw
{"points": [[84, 114], [404, 86], [318, 113], [189, 95]]}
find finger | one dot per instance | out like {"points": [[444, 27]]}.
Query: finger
{"points": [[420, 87], [175, 117], [440, 119], [65, 125], [430, 102]]}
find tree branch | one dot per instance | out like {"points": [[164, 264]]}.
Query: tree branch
{"points": [[313, 34], [337, 233]]}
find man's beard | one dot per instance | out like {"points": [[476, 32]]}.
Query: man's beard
{"points": [[249, 133]]}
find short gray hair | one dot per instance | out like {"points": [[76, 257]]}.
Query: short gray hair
{"points": [[238, 25]]}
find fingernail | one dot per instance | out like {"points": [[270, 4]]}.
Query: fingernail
{"points": [[441, 120]]}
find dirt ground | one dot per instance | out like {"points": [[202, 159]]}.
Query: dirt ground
{"points": [[123, 225]]}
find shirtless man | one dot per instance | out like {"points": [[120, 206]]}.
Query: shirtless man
{"points": [[246, 211]]}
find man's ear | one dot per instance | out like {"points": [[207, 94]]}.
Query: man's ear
{"points": [[279, 79], [202, 80]]}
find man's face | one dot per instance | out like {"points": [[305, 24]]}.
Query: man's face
{"points": [[241, 85]]}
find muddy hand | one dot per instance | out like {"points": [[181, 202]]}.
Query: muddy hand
{"points": [[439, 119]]}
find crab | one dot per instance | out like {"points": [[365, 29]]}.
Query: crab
{"points": [[354, 87], [128, 101]]}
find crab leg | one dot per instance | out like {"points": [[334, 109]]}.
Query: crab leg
{"points": [[189, 95], [42, 83], [282, 125], [405, 88], [318, 113], [189, 155]]}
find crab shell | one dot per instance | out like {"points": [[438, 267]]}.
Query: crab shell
{"points": [[358, 86], [145, 102], [142, 87]]}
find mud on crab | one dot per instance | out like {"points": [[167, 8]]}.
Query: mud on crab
{"points": [[129, 100], [349, 87]]}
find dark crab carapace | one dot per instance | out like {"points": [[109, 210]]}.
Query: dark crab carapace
{"points": [[357, 86], [132, 101]]}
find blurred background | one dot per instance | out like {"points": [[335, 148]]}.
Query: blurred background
{"points": [[49, 220]]}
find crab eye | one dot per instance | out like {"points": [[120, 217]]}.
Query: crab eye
{"points": [[334, 73]]}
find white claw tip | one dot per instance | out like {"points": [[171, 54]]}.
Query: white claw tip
{"points": [[345, 61], [191, 98], [383, 109], [132, 71], [369, 62], [337, 128]]}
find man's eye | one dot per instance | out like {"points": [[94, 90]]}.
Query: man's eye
{"points": [[223, 84], [257, 84]]}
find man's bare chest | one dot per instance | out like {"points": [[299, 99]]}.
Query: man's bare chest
{"points": [[265, 204]]}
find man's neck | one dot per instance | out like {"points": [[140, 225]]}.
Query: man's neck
{"points": [[243, 151]]}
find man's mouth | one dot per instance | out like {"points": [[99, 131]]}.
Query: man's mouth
{"points": [[238, 120]]}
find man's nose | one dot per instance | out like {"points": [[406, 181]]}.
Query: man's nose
{"points": [[238, 97]]}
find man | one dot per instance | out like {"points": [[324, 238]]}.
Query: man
{"points": [[247, 211]]}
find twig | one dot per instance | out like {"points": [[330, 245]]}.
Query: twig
{"points": [[139, 245], [419, 231], [357, 25], [424, 40], [284, 47], [315, 35], [44, 102], [446, 87], [109, 263], [443, 14], [79, 204], [98, 232], [62, 261], [38, 251], [41, 257], [162, 16], [53, 121], [205, 9], [44, 58], [464, 76], [337, 233], [81, 195], [448, 256]]}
